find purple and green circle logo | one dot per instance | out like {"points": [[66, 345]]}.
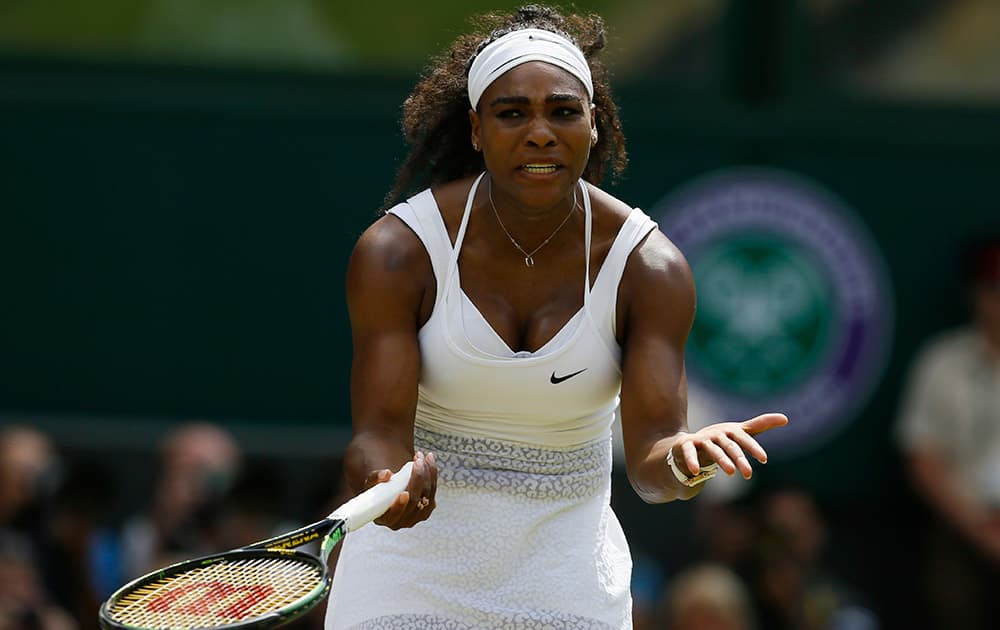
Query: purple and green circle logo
{"points": [[794, 303]]}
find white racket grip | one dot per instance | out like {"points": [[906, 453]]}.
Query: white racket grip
{"points": [[373, 502]]}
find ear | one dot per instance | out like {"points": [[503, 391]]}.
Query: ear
{"points": [[593, 124], [474, 122]]}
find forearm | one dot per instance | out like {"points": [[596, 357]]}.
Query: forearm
{"points": [[651, 477], [375, 449], [942, 490]]}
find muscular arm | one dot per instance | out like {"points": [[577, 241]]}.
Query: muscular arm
{"points": [[656, 311], [388, 279]]}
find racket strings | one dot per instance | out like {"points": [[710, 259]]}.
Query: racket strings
{"points": [[221, 593]]}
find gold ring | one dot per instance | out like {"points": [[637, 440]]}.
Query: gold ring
{"points": [[423, 502]]}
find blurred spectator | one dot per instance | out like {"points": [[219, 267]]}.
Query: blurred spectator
{"points": [[647, 587], [199, 462], [250, 511], [708, 597], [792, 587], [949, 430], [80, 554], [24, 603], [727, 530], [29, 470]]}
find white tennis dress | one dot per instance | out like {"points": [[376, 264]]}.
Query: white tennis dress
{"points": [[523, 535]]}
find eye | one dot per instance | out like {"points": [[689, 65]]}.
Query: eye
{"points": [[566, 112], [509, 113]]}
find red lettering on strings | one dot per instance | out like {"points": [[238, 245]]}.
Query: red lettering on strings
{"points": [[211, 594]]}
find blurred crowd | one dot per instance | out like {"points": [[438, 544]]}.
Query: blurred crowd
{"points": [[760, 565], [762, 561], [63, 551]]}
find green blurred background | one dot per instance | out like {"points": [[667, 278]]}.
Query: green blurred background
{"points": [[182, 183]]}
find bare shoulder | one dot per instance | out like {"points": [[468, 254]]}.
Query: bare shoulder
{"points": [[610, 212], [450, 198], [656, 259], [389, 265], [657, 283], [452, 195], [388, 245]]}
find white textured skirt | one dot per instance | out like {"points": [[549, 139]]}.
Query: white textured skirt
{"points": [[522, 538]]}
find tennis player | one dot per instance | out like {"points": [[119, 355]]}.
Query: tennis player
{"points": [[499, 318]]}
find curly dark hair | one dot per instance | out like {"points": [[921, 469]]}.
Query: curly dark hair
{"points": [[435, 115]]}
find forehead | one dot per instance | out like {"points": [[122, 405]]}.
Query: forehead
{"points": [[534, 79]]}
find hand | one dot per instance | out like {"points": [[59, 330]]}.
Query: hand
{"points": [[985, 535], [415, 503], [725, 443]]}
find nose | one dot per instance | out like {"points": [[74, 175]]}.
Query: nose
{"points": [[539, 133]]}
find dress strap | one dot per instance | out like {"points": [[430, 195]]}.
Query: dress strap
{"points": [[605, 292], [421, 214], [587, 233], [457, 248]]}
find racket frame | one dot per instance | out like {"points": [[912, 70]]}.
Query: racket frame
{"points": [[278, 547], [353, 515]]}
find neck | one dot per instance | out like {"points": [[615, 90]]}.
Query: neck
{"points": [[529, 217], [529, 245]]}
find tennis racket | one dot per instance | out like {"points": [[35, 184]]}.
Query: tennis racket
{"points": [[262, 585]]}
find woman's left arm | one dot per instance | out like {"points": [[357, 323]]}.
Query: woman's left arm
{"points": [[656, 306]]}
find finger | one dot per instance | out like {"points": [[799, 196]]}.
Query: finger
{"points": [[423, 485], [738, 457], [432, 465], [391, 517], [719, 455], [690, 456], [430, 486], [417, 481], [749, 445], [377, 476], [764, 422]]}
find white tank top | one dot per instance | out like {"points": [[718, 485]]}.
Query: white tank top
{"points": [[472, 384]]}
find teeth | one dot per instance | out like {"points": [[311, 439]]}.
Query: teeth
{"points": [[539, 168]]}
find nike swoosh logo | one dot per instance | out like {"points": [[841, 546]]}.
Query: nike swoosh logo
{"points": [[555, 380]]}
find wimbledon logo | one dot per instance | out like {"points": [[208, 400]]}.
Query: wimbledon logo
{"points": [[794, 304]]}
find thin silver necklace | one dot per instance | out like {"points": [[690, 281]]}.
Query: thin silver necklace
{"points": [[529, 260]]}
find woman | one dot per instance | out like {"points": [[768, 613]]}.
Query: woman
{"points": [[498, 318]]}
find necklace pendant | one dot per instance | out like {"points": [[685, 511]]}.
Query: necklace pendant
{"points": [[529, 261]]}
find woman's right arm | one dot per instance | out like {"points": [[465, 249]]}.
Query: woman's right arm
{"points": [[390, 287]]}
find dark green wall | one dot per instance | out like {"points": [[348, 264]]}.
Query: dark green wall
{"points": [[174, 244]]}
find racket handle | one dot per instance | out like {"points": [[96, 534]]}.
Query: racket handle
{"points": [[373, 502]]}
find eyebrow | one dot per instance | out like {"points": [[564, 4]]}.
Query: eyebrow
{"points": [[524, 100]]}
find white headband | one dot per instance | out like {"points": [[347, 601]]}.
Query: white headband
{"points": [[530, 44]]}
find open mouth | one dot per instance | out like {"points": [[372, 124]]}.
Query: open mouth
{"points": [[540, 169]]}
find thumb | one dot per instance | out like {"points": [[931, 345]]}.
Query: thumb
{"points": [[377, 476]]}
